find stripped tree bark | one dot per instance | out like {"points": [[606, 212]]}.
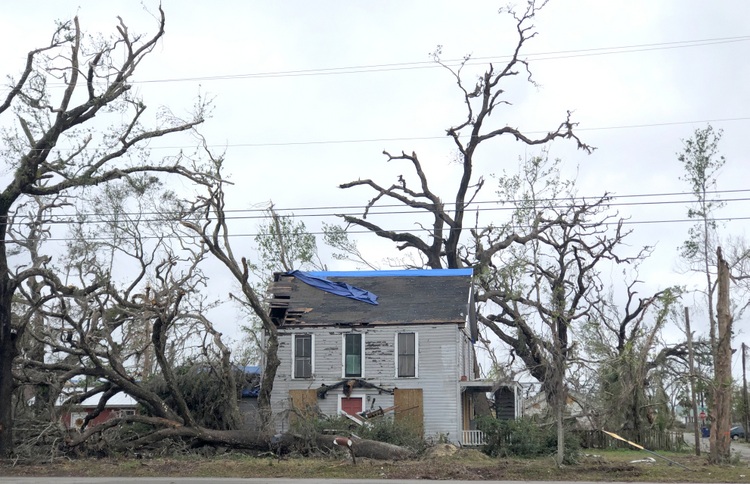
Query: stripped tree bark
{"points": [[722, 392]]}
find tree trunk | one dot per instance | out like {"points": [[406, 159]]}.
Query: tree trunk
{"points": [[248, 439], [8, 352], [266, 384], [691, 363], [560, 432], [720, 426]]}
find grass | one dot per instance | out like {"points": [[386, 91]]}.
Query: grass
{"points": [[463, 464]]}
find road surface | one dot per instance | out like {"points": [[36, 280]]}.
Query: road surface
{"points": [[738, 446], [208, 480]]}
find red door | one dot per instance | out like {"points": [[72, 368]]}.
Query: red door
{"points": [[352, 405]]}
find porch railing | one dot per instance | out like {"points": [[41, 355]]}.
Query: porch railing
{"points": [[473, 438]]}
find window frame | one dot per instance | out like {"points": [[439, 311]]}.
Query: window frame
{"points": [[294, 355], [397, 355], [361, 355]]}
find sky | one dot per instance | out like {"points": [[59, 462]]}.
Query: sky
{"points": [[307, 95]]}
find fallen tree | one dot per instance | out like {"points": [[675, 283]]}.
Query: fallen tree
{"points": [[236, 439]]}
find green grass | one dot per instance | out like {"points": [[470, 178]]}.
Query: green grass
{"points": [[465, 464]]}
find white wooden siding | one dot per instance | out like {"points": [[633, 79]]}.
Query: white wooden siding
{"points": [[441, 355]]}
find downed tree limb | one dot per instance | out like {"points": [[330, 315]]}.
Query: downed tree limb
{"points": [[237, 439], [371, 449]]}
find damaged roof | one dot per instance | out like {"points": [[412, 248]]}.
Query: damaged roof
{"points": [[405, 296]]}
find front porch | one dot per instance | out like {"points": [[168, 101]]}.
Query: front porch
{"points": [[472, 438], [474, 404], [507, 405]]}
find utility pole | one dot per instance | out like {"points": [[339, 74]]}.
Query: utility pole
{"points": [[744, 394], [692, 382]]}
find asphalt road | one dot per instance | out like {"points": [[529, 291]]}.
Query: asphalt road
{"points": [[737, 446], [208, 480]]}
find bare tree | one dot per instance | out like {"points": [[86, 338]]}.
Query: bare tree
{"points": [[52, 150], [535, 295], [445, 245], [483, 98]]}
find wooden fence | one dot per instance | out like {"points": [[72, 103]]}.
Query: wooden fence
{"points": [[650, 439]]}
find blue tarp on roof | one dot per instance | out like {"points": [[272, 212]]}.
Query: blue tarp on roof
{"points": [[396, 273], [250, 369], [338, 288]]}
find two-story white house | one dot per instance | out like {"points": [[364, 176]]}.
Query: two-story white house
{"points": [[356, 341]]}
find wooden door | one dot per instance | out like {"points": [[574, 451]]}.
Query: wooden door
{"points": [[352, 405]]}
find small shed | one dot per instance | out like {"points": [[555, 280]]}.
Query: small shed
{"points": [[72, 416]]}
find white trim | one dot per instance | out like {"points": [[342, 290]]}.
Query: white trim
{"points": [[416, 355], [362, 355], [312, 355], [353, 395]]}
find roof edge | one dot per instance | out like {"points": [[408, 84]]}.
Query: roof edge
{"points": [[397, 273]]}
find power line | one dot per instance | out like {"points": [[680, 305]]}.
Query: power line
{"points": [[476, 205], [70, 221], [401, 66], [537, 56], [419, 138], [366, 231]]}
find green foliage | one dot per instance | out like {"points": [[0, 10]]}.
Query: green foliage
{"points": [[405, 434], [285, 244], [525, 438], [336, 237], [211, 403], [701, 161]]}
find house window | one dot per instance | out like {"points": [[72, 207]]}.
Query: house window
{"points": [[353, 364], [406, 355], [303, 356]]}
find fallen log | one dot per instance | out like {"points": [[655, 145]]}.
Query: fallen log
{"points": [[371, 449], [237, 439]]}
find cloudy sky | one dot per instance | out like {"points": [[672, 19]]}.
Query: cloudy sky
{"points": [[309, 94]]}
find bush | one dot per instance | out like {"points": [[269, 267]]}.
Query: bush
{"points": [[212, 404], [387, 430], [525, 438]]}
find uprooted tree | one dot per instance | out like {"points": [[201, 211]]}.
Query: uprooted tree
{"points": [[52, 150], [636, 369], [145, 332], [123, 310]]}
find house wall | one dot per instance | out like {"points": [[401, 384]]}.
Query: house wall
{"points": [[441, 361]]}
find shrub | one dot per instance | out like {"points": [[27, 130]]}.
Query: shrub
{"points": [[405, 434], [382, 429], [524, 438]]}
